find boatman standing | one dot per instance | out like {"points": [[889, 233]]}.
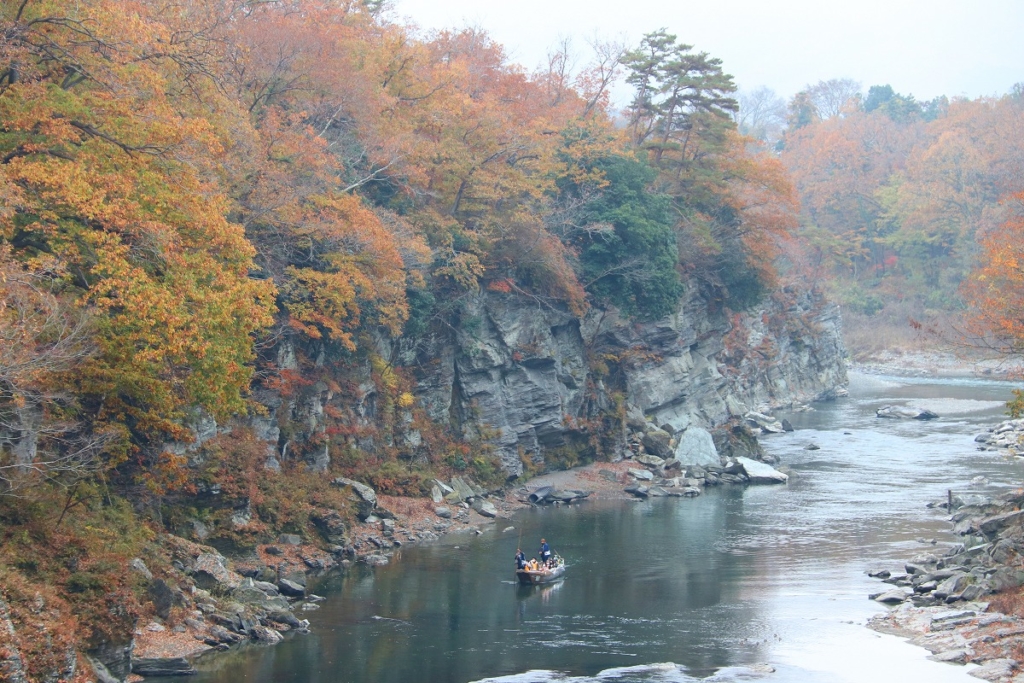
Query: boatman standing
{"points": [[545, 552], [520, 559]]}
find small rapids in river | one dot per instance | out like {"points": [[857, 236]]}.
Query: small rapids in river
{"points": [[740, 584]]}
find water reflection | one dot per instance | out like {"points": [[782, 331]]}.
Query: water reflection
{"points": [[714, 585]]}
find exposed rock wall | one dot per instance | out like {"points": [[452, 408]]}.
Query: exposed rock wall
{"points": [[521, 375], [524, 376]]}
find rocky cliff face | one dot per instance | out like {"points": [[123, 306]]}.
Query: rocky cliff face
{"points": [[523, 376]]}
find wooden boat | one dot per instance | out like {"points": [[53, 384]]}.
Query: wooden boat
{"points": [[534, 577]]}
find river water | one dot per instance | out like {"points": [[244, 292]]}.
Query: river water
{"points": [[740, 584]]}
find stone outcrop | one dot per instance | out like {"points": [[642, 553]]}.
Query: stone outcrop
{"points": [[1007, 436], [515, 373], [522, 376], [905, 413]]}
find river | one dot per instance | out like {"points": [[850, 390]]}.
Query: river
{"points": [[739, 584]]}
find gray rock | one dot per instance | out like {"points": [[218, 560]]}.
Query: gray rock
{"points": [[99, 669], [249, 596], [265, 634], [376, 560], [162, 597], [657, 442], [331, 525], [642, 475], [485, 508], [463, 490], [291, 588], [650, 460], [220, 635], [990, 526], [289, 539], [958, 656], [760, 473], [892, 597], [954, 585], [540, 495], [766, 423], [995, 670], [905, 413], [435, 494], [638, 490], [170, 666], [974, 592], [365, 496], [697, 447], [283, 617], [137, 565], [516, 374], [443, 512], [209, 571], [1005, 578]]}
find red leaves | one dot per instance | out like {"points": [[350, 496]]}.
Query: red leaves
{"points": [[995, 290]]}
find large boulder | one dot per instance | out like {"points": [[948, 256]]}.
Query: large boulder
{"points": [[331, 526], [697, 447], [210, 571], [463, 490], [905, 413], [365, 497], [485, 508], [760, 473], [642, 475], [163, 666], [765, 423], [991, 526], [658, 442], [291, 588], [540, 495]]}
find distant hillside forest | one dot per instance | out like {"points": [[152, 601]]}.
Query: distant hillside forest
{"points": [[900, 199]]}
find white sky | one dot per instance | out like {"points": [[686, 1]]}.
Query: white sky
{"points": [[920, 47]]}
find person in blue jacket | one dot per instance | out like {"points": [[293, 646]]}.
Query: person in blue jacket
{"points": [[545, 552], [520, 558]]}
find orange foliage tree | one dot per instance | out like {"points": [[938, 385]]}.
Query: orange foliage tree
{"points": [[110, 135], [995, 291]]}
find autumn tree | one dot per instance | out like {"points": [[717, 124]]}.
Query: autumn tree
{"points": [[109, 138], [681, 116], [834, 97], [994, 292], [761, 115]]}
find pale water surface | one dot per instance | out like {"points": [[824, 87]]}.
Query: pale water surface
{"points": [[740, 584]]}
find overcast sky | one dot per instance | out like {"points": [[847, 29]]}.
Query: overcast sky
{"points": [[920, 47]]}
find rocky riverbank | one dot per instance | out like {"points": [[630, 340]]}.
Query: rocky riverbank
{"points": [[222, 602], [934, 364], [1007, 437], [964, 605]]}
